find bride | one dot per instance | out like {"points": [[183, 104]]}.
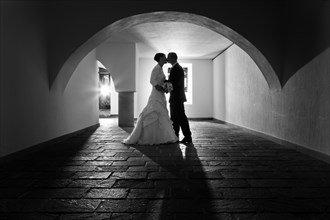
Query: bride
{"points": [[154, 125]]}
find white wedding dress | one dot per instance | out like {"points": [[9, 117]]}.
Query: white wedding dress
{"points": [[154, 125]]}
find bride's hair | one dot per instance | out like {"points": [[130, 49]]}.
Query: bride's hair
{"points": [[158, 56]]}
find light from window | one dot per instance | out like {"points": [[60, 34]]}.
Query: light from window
{"points": [[187, 67]]}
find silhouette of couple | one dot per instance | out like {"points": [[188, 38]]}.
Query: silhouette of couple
{"points": [[154, 126]]}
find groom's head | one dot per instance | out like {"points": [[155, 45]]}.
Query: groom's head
{"points": [[172, 58]]}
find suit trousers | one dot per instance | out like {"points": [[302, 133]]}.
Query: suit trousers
{"points": [[179, 118]]}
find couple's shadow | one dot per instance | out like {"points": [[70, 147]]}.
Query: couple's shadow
{"points": [[180, 174], [174, 157]]}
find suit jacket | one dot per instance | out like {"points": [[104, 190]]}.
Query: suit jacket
{"points": [[177, 79]]}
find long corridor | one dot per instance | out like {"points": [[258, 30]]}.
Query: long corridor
{"points": [[226, 174]]}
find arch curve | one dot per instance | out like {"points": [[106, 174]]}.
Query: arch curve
{"points": [[72, 62]]}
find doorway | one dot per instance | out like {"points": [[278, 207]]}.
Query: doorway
{"points": [[104, 93], [108, 97]]}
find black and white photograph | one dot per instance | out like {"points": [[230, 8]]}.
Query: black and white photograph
{"points": [[164, 110]]}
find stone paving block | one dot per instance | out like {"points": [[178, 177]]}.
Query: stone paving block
{"points": [[274, 175], [219, 168], [229, 205], [98, 149], [148, 194], [91, 175], [99, 163], [135, 205], [134, 184], [184, 169], [129, 175], [129, 216], [112, 168], [224, 163], [79, 168], [129, 154], [235, 154], [114, 146], [71, 205], [145, 160], [175, 183], [270, 183], [205, 175], [21, 205], [52, 165], [83, 158], [129, 150], [129, 163], [102, 154], [107, 193], [240, 174], [85, 216], [173, 207], [151, 163], [83, 183], [157, 206], [213, 158], [169, 168], [57, 175], [51, 183], [229, 183], [160, 175], [248, 193], [68, 193], [194, 192], [143, 169], [255, 168], [28, 216], [112, 158]]}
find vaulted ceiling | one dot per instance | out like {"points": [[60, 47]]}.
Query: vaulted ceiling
{"points": [[188, 40]]}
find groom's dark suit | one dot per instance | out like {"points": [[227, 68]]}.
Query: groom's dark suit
{"points": [[177, 99]]}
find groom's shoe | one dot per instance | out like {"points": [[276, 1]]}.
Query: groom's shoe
{"points": [[186, 140]]}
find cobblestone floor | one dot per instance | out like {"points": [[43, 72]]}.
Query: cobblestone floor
{"points": [[225, 174]]}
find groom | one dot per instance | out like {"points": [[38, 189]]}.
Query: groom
{"points": [[177, 99]]}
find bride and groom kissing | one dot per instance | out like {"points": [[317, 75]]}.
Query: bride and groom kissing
{"points": [[154, 126]]}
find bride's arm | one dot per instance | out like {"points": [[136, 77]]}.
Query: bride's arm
{"points": [[154, 79]]}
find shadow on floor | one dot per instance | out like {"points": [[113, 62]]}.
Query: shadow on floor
{"points": [[180, 180]]}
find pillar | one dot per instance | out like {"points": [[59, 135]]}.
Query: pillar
{"points": [[126, 109]]}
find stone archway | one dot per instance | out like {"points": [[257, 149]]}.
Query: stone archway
{"points": [[72, 62]]}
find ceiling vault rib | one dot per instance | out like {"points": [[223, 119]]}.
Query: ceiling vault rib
{"points": [[223, 51]]}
